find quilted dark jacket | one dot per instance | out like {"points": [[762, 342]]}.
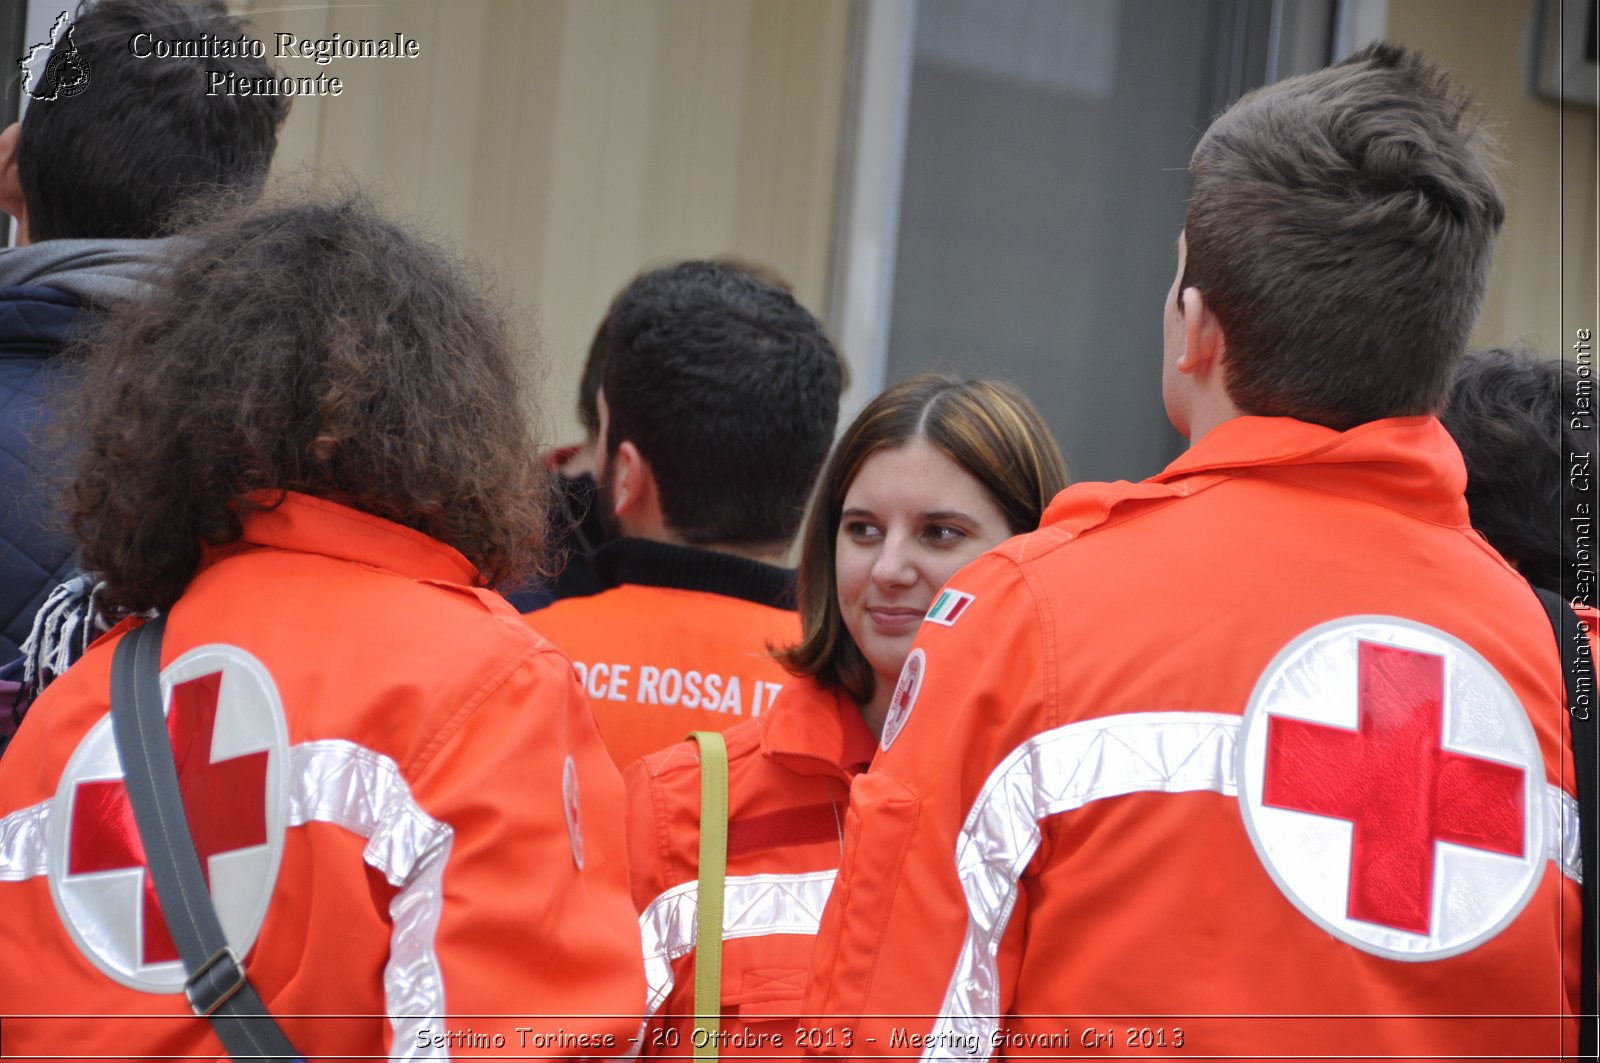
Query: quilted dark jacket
{"points": [[35, 323]]}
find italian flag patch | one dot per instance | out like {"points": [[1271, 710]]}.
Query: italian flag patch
{"points": [[948, 607]]}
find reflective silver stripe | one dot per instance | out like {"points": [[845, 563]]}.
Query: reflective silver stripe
{"points": [[24, 853], [342, 783], [1053, 772], [752, 906], [1565, 849], [1065, 769], [349, 786]]}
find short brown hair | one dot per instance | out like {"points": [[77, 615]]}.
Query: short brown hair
{"points": [[730, 390], [124, 158], [988, 428], [1341, 228], [316, 348]]}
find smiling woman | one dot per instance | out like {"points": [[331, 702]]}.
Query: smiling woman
{"points": [[951, 449], [911, 519], [932, 473]]}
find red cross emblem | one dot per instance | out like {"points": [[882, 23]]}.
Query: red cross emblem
{"points": [[904, 698], [1393, 787], [225, 801], [1396, 785]]}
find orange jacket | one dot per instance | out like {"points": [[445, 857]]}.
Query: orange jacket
{"points": [[660, 661], [788, 781], [1265, 756], [403, 804]]}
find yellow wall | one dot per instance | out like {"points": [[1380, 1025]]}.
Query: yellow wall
{"points": [[568, 143], [1545, 282]]}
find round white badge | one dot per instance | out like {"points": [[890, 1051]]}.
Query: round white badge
{"points": [[1393, 787], [231, 749], [569, 800], [904, 699]]}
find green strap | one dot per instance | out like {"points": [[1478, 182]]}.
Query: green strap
{"points": [[713, 876]]}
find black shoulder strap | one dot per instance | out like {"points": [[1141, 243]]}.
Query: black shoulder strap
{"points": [[1577, 666], [217, 988]]}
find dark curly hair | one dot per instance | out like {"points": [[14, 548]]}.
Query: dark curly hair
{"points": [[313, 347], [1508, 412], [730, 389]]}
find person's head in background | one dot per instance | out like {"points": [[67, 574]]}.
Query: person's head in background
{"points": [[1335, 250], [1509, 413], [316, 348], [122, 157], [580, 459], [718, 400], [933, 472]]}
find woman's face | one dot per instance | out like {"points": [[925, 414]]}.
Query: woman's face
{"points": [[911, 518]]}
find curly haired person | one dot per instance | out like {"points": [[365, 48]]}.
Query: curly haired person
{"points": [[308, 450]]}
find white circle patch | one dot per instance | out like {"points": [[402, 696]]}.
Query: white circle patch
{"points": [[1393, 787], [230, 745], [569, 800], [906, 689]]}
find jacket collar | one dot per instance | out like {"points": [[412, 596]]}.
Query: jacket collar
{"points": [[813, 731], [1409, 464], [304, 524], [654, 564]]}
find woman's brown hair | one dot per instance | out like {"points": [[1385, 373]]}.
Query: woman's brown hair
{"points": [[988, 428], [313, 347]]}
